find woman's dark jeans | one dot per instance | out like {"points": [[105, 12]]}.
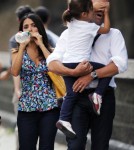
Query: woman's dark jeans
{"points": [[34, 125]]}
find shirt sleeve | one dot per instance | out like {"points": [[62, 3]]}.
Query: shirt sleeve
{"points": [[12, 43], [52, 38], [119, 51], [93, 29], [60, 49]]}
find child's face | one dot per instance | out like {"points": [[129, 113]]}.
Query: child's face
{"points": [[90, 15]]}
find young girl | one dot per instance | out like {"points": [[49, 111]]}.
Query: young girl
{"points": [[81, 33]]}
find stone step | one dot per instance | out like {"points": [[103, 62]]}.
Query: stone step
{"points": [[124, 132], [125, 90], [124, 113]]}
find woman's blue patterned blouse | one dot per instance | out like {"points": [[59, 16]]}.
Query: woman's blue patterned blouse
{"points": [[37, 91]]}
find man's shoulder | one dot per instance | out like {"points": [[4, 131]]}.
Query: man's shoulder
{"points": [[114, 30], [12, 43], [65, 32], [52, 34]]}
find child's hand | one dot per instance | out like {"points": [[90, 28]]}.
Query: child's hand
{"points": [[106, 10], [100, 6]]}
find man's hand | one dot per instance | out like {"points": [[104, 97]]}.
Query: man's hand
{"points": [[83, 68], [4, 75], [81, 83], [0, 66]]}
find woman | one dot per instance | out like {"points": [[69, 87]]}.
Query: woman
{"points": [[37, 109]]}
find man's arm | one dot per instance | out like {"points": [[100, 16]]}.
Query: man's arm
{"points": [[109, 70], [54, 60], [82, 69]]}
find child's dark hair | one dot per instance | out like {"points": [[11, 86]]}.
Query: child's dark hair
{"points": [[40, 27], [75, 8]]}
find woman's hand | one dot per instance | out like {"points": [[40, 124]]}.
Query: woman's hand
{"points": [[83, 68], [24, 44], [37, 38]]}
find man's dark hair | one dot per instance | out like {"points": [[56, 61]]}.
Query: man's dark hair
{"points": [[23, 10], [43, 13]]}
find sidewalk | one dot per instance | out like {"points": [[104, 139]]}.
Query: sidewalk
{"points": [[5, 58], [7, 140]]}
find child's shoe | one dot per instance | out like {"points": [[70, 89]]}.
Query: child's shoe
{"points": [[66, 128], [96, 101]]}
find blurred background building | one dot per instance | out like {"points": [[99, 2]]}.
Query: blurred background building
{"points": [[122, 16]]}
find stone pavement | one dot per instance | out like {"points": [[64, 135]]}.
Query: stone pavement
{"points": [[5, 58], [7, 140]]}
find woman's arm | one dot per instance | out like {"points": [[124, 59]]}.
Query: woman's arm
{"points": [[17, 59], [17, 88], [44, 50], [38, 40]]}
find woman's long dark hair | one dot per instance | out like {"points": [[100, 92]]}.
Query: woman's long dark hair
{"points": [[40, 27]]}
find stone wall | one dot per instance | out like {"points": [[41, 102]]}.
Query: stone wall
{"points": [[124, 119]]}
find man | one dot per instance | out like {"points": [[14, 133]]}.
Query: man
{"points": [[44, 15], [110, 50]]}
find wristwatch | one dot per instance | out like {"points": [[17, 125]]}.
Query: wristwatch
{"points": [[94, 75]]}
